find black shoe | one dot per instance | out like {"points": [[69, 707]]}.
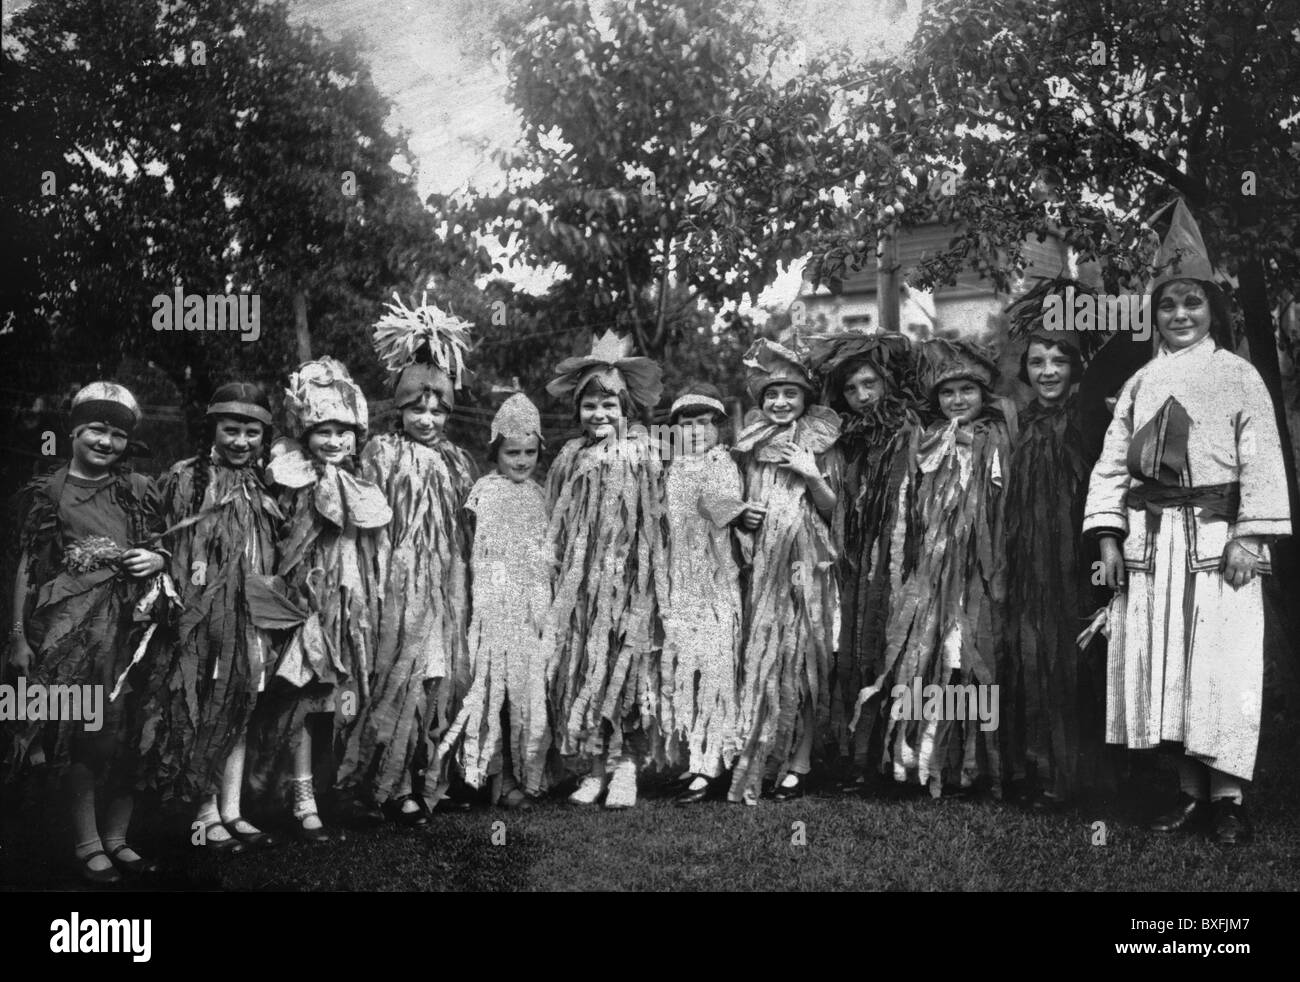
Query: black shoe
{"points": [[98, 877], [230, 846], [1186, 816], [418, 818], [319, 836], [692, 796], [132, 867], [1231, 823], [254, 840], [789, 792]]}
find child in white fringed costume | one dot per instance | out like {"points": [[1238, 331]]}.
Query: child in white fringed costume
{"points": [[702, 616], [502, 733]]}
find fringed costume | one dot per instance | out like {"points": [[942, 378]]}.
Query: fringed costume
{"points": [[946, 620], [874, 524], [784, 695], [202, 696], [421, 668], [604, 631], [703, 624]]}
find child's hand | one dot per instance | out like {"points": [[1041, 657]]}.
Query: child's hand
{"points": [[1240, 564], [1112, 560], [141, 562], [20, 654], [799, 460], [752, 516]]}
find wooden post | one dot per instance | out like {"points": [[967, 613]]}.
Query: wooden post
{"points": [[300, 325], [887, 281]]}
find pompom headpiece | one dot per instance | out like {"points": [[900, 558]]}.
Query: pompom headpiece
{"points": [[423, 350], [612, 364], [768, 363], [322, 391], [517, 419]]}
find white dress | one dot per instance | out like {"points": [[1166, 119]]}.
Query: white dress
{"points": [[1186, 657]]}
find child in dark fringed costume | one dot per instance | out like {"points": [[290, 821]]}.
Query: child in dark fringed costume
{"points": [[604, 635], [792, 473], [946, 621], [703, 624], [330, 515], [870, 380], [1047, 581], [223, 526], [1189, 490], [87, 570], [502, 733], [421, 670]]}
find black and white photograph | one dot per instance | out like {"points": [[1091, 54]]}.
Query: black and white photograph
{"points": [[652, 446]]}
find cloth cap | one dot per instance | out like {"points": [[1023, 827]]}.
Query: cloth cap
{"points": [[417, 381], [322, 391], [517, 419], [946, 361], [698, 402], [768, 363], [105, 402]]}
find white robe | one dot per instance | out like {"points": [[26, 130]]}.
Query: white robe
{"points": [[1186, 659]]}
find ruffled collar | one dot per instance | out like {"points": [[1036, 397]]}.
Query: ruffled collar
{"points": [[816, 430], [339, 497]]}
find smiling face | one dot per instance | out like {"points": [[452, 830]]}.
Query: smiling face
{"points": [[1183, 314], [424, 421], [331, 443], [238, 440], [517, 458], [1049, 371], [699, 430], [599, 413], [863, 389], [961, 399], [783, 403], [96, 447]]}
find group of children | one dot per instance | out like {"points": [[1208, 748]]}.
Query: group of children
{"points": [[735, 615]]}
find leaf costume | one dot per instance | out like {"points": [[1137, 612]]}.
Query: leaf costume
{"points": [[703, 625], [422, 609], [85, 617], [946, 620], [204, 691], [605, 636], [1046, 594]]}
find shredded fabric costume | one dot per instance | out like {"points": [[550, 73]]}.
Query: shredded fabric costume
{"points": [[1192, 460], [946, 620], [1046, 587], [325, 594], [604, 631], [203, 693], [702, 617], [790, 641], [84, 616], [420, 637], [512, 593], [875, 524]]}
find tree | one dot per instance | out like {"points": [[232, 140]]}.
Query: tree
{"points": [[212, 145], [1007, 116], [663, 161]]}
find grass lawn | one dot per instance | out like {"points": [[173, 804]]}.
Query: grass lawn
{"points": [[890, 841]]}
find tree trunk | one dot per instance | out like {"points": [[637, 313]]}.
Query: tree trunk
{"points": [[300, 329]]}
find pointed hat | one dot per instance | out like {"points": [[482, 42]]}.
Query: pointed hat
{"points": [[1182, 255], [517, 419]]}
